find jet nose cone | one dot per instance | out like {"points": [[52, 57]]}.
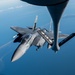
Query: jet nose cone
{"points": [[20, 51], [12, 60], [17, 55]]}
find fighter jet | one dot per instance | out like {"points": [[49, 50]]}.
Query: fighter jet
{"points": [[31, 36], [55, 8], [27, 37]]}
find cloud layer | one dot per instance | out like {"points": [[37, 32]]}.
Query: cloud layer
{"points": [[13, 7]]}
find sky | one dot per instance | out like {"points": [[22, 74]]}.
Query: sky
{"points": [[44, 61]]}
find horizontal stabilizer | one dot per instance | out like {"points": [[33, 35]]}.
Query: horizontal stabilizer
{"points": [[63, 36], [18, 29], [21, 30]]}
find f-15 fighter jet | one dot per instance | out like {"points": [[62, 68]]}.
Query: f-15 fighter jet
{"points": [[30, 36]]}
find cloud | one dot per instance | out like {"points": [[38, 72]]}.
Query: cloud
{"points": [[19, 6], [14, 7], [6, 44], [10, 8], [1, 10]]}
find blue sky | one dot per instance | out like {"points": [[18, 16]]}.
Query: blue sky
{"points": [[43, 62]]}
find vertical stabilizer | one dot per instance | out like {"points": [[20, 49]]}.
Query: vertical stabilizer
{"points": [[51, 23], [35, 22]]}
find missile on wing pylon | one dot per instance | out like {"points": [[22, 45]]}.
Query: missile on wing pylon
{"points": [[56, 8]]}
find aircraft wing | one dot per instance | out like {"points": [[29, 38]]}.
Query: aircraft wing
{"points": [[21, 30], [51, 35], [63, 36]]}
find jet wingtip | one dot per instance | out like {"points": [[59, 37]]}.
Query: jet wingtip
{"points": [[12, 27]]}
